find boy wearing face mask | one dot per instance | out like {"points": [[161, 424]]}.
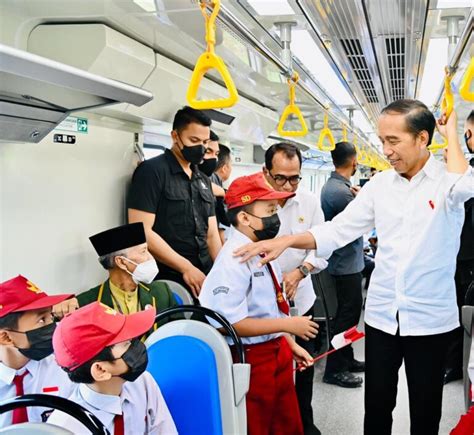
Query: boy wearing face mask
{"points": [[99, 348], [252, 299], [27, 365], [123, 252]]}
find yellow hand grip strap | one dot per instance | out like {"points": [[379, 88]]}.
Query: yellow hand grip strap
{"points": [[467, 82], [207, 61], [344, 133], [447, 103], [326, 133], [358, 150], [292, 109], [365, 158], [435, 146]]}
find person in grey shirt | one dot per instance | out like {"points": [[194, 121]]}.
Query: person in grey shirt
{"points": [[345, 265]]}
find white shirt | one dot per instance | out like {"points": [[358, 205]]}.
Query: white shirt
{"points": [[418, 225], [298, 215], [44, 377], [240, 290], [144, 409]]}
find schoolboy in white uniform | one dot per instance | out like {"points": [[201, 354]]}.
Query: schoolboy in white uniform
{"points": [[27, 365], [98, 348], [252, 300], [283, 162]]}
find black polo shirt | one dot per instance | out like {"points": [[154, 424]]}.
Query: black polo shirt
{"points": [[182, 206]]}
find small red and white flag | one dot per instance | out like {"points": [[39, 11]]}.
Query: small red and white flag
{"points": [[339, 341], [347, 337]]}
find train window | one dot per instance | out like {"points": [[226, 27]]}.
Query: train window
{"points": [[151, 150], [235, 46]]}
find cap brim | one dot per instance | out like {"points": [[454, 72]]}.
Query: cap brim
{"points": [[276, 195], [44, 302], [135, 325]]}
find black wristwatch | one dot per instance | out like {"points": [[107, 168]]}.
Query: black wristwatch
{"points": [[304, 270]]}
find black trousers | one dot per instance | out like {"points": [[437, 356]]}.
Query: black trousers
{"points": [[424, 358], [349, 306], [463, 277], [304, 382]]}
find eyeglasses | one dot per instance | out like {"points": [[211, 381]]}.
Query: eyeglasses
{"points": [[281, 180]]}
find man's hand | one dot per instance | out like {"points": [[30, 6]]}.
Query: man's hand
{"points": [[270, 248], [291, 280], [65, 307], [194, 278], [447, 127], [302, 326]]}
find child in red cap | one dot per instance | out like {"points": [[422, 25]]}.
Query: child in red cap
{"points": [[99, 349], [251, 298], [27, 365]]}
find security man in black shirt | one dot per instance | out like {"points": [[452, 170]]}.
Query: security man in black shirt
{"points": [[174, 201]]}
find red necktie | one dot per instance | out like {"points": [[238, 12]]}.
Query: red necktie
{"points": [[19, 414], [119, 427], [281, 301]]}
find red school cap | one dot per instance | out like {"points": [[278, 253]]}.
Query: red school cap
{"points": [[250, 188], [20, 294], [84, 333]]}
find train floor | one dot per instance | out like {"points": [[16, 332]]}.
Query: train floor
{"points": [[340, 411]]}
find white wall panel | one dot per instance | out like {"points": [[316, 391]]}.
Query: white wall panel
{"points": [[54, 196]]}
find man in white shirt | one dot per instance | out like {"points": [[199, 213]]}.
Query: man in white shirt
{"points": [[27, 365], [418, 210], [282, 170]]}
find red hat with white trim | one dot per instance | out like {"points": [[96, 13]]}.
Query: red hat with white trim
{"points": [[20, 294], [84, 333], [250, 188]]}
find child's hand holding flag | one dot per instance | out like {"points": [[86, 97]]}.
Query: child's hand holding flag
{"points": [[338, 342]]}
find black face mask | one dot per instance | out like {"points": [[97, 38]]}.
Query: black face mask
{"points": [[271, 226], [208, 166], [41, 342], [136, 358], [193, 153]]}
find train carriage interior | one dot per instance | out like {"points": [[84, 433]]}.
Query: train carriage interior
{"points": [[89, 89]]}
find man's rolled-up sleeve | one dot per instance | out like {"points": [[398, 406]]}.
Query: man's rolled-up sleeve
{"points": [[356, 219]]}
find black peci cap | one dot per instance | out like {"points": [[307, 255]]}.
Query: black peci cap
{"points": [[118, 238]]}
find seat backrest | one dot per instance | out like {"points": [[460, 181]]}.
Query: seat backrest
{"points": [[192, 363], [36, 429], [179, 301], [185, 369], [179, 290], [468, 353]]}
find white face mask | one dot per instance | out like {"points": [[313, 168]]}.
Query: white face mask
{"points": [[144, 272]]}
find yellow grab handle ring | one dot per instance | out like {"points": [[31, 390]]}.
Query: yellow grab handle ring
{"points": [[467, 82], [447, 103], [326, 133], [207, 61], [435, 146], [292, 109]]}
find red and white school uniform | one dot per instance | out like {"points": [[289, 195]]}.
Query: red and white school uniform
{"points": [[240, 290]]}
